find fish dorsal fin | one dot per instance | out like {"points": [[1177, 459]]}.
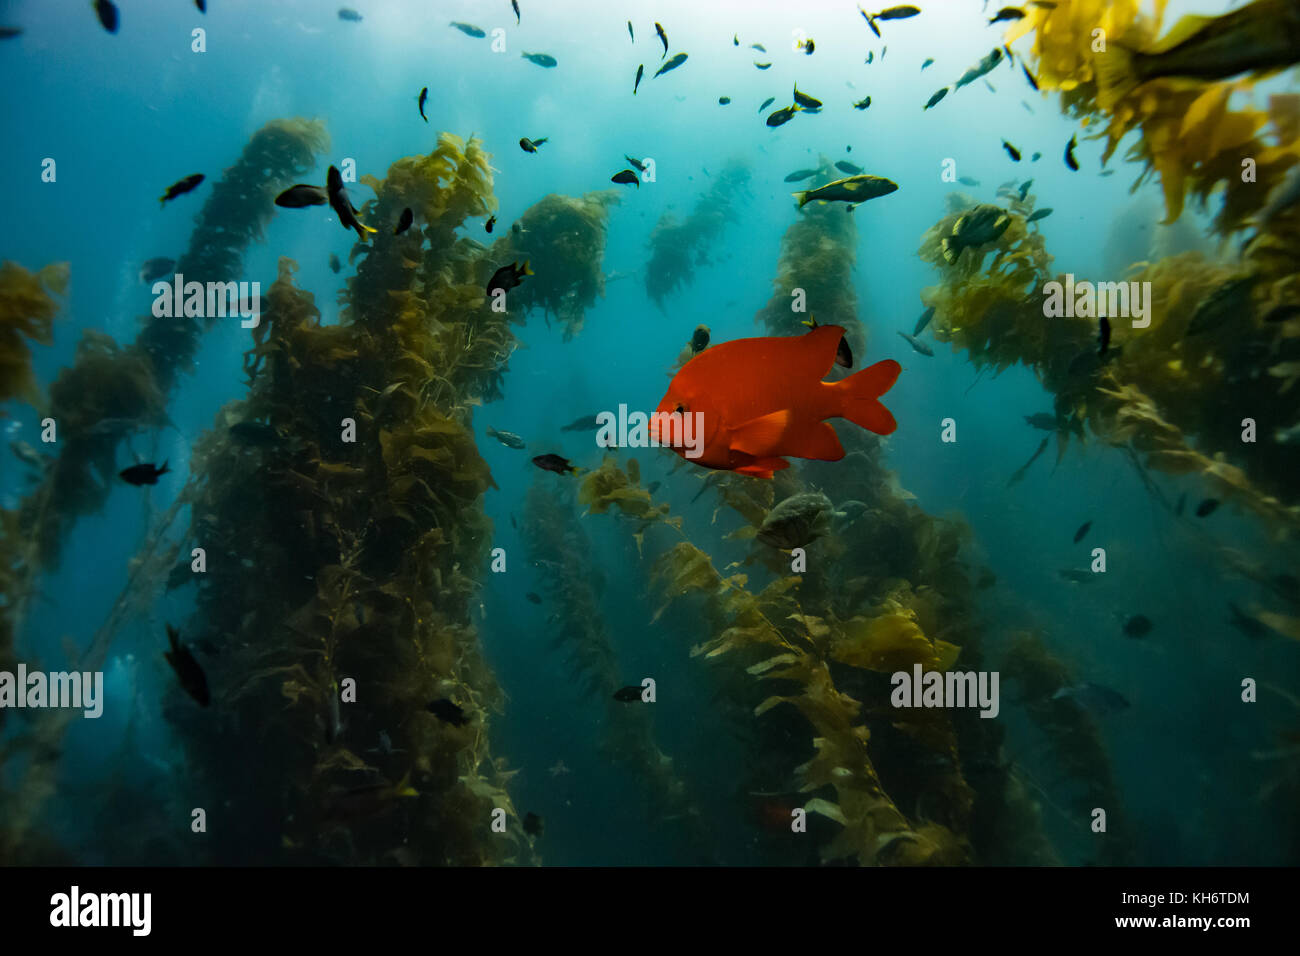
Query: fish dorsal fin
{"points": [[761, 436]]}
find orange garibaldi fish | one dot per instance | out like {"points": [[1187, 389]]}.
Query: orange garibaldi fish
{"points": [[763, 399]]}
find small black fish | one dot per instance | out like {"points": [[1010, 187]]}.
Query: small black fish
{"points": [[514, 5], [724, 100], [341, 203], [699, 339], [107, 14], [762, 66], [180, 188], [586, 423], [1024, 189], [1008, 13], [928, 62], [561, 466], [843, 354], [1070, 161], [541, 59], [935, 99], [1282, 313], [808, 46], [630, 34], [1207, 507], [1044, 420], [923, 321], [335, 265], [663, 37], [1083, 530], [188, 671], [1011, 151], [782, 116], [640, 72], [1038, 214], [508, 277], [530, 145], [404, 221], [799, 175], [8, 33], [1029, 76], [347, 13], [1139, 625], [468, 29], [146, 473], [862, 104], [532, 822], [533, 597], [424, 96], [302, 195], [677, 60], [845, 166], [448, 712], [766, 103], [629, 694], [917, 344], [513, 523], [871, 56], [1103, 335], [625, 177]]}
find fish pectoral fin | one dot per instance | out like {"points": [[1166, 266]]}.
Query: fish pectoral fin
{"points": [[762, 467], [760, 435], [819, 443]]}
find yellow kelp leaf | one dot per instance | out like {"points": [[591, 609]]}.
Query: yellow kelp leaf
{"points": [[744, 533], [1290, 626], [815, 626], [1205, 110], [948, 654], [762, 667], [768, 704], [888, 643], [1176, 462], [826, 809]]}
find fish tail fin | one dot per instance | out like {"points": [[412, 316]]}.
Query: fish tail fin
{"points": [[802, 197], [871, 22], [527, 271], [163, 469], [860, 394], [576, 470], [1117, 75], [404, 788]]}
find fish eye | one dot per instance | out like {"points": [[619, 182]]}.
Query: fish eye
{"points": [[680, 408]]}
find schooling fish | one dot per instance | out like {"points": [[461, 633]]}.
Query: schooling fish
{"points": [[1029, 76], [534, 598], [1139, 625], [1044, 420], [1261, 36], [423, 98], [541, 59], [663, 37], [509, 439], [923, 321], [146, 473], [508, 277], [1082, 532], [1207, 507], [180, 188], [766, 103], [892, 13], [347, 13], [724, 100], [806, 101], [640, 72], [532, 824], [335, 265], [845, 166], [1070, 161], [862, 104], [107, 14], [854, 189], [631, 36], [917, 344], [759, 47], [636, 164], [341, 203], [984, 223], [809, 45], [986, 65], [763, 399], [468, 29], [968, 181], [799, 175], [557, 464], [784, 115], [1024, 189], [674, 63], [488, 226], [1011, 151], [404, 221], [935, 99], [188, 670], [1007, 13], [699, 339], [1038, 214], [929, 61], [8, 33], [302, 195], [587, 423], [625, 177], [514, 5], [629, 694], [530, 145], [762, 66]]}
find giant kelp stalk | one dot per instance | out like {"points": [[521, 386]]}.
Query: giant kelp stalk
{"points": [[112, 390], [333, 561], [818, 253], [563, 240], [678, 246], [1185, 132], [561, 555]]}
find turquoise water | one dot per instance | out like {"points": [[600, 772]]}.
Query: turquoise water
{"points": [[125, 115]]}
